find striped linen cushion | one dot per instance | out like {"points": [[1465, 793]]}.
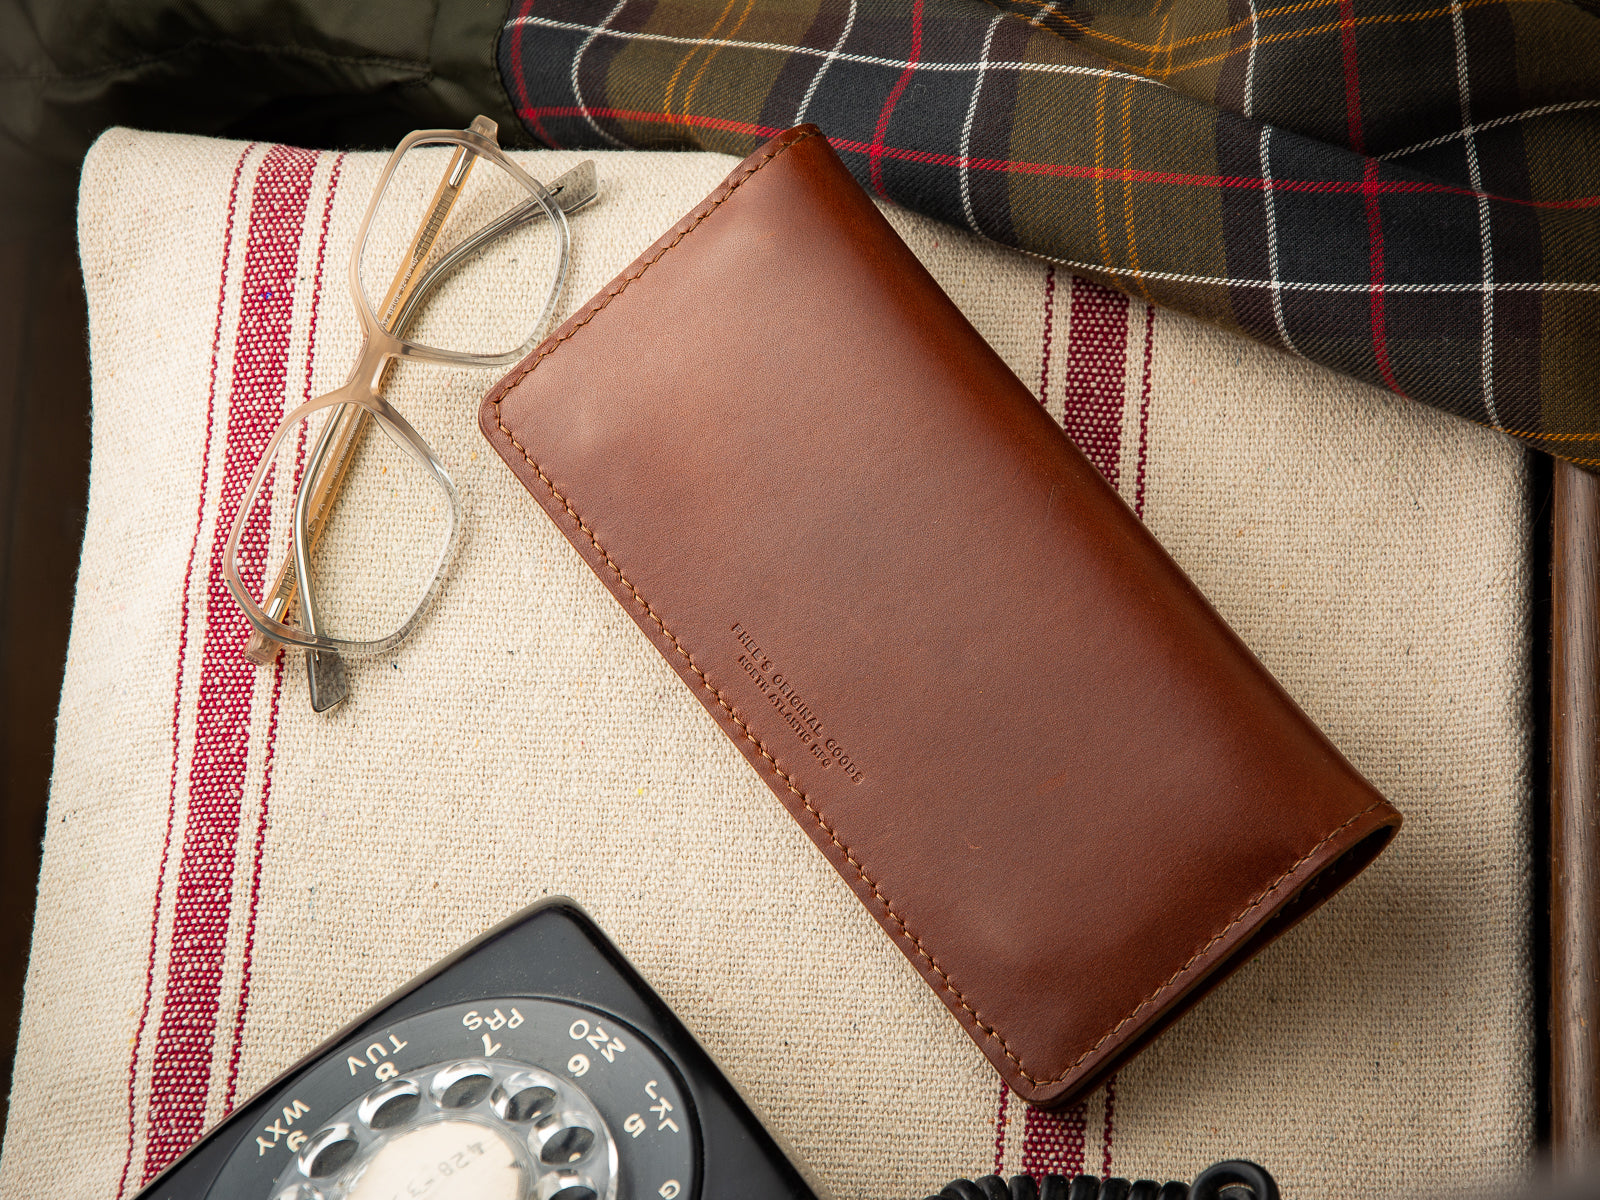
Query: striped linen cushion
{"points": [[228, 877]]}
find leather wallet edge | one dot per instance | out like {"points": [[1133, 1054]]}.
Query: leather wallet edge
{"points": [[1304, 887]]}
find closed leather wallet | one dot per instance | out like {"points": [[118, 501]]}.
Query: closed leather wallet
{"points": [[1063, 786]]}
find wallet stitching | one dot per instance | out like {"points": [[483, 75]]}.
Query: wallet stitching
{"points": [[755, 740]]}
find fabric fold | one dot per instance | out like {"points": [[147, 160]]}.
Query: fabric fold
{"points": [[1407, 194]]}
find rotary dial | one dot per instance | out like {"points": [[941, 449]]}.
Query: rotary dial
{"points": [[473, 1129], [507, 1098]]}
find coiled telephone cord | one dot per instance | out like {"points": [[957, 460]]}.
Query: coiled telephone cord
{"points": [[1232, 1178]]}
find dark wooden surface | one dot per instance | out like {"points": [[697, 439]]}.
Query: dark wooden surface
{"points": [[44, 483], [1575, 818]]}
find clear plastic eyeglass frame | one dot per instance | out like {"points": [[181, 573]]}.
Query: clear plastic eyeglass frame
{"points": [[385, 342]]}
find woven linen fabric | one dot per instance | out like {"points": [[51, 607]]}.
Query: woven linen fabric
{"points": [[228, 877], [1407, 191]]}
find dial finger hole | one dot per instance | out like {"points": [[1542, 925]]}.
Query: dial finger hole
{"points": [[565, 1145], [466, 1092], [463, 1085], [391, 1105], [527, 1103], [328, 1150], [333, 1158]]}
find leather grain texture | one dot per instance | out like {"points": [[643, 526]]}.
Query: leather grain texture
{"points": [[1062, 785]]}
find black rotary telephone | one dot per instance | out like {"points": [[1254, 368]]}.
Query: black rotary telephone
{"points": [[537, 1064]]}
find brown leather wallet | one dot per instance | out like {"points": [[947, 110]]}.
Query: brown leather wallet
{"points": [[1065, 788]]}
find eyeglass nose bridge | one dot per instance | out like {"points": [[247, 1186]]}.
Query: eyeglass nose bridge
{"points": [[379, 351], [364, 389]]}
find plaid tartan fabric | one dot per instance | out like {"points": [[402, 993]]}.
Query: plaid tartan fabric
{"points": [[1406, 191]]}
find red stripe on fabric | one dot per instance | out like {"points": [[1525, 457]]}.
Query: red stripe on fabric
{"points": [[202, 907], [1370, 190], [1096, 373], [259, 849], [1380, 334], [1053, 1142], [1144, 410], [316, 285], [1049, 324], [1000, 1129], [1352, 81], [1332, 187], [177, 687], [875, 151]]}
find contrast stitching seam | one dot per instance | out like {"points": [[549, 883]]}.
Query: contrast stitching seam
{"points": [[749, 734]]}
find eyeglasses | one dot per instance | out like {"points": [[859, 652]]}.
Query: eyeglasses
{"points": [[459, 261]]}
